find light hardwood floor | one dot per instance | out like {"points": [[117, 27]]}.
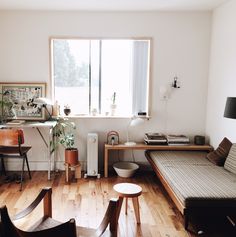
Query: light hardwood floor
{"points": [[86, 201]]}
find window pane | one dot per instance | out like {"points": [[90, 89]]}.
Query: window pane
{"points": [[71, 74], [140, 76], [116, 75], [95, 65]]}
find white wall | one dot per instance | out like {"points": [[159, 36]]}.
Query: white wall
{"points": [[180, 47], [222, 78]]}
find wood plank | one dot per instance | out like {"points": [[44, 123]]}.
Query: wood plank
{"points": [[175, 199], [142, 146]]}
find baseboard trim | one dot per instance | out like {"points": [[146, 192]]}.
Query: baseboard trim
{"points": [[16, 165]]}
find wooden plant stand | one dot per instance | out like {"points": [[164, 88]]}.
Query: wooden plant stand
{"points": [[77, 171]]}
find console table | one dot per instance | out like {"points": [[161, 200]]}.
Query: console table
{"points": [[142, 146]]}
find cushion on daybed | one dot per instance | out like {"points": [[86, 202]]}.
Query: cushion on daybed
{"points": [[230, 163], [195, 180], [219, 155]]}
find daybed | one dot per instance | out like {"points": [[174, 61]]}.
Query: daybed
{"points": [[194, 183]]}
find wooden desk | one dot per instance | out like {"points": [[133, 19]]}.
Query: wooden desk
{"points": [[142, 146], [50, 125]]}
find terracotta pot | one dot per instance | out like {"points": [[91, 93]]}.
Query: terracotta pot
{"points": [[71, 156]]}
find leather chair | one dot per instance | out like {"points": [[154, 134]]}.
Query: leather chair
{"points": [[48, 227], [11, 141]]}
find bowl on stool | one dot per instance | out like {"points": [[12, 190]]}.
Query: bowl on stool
{"points": [[125, 169]]}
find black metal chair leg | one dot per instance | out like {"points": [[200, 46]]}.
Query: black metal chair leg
{"points": [[27, 163], [186, 221], [3, 167], [22, 173]]}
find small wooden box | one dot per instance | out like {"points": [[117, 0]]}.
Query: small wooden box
{"points": [[77, 171]]}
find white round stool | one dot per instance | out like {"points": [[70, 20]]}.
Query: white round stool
{"points": [[129, 190]]}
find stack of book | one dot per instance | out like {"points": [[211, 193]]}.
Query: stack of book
{"points": [[177, 140], [155, 139]]}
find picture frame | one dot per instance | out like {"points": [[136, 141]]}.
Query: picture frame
{"points": [[16, 100]]}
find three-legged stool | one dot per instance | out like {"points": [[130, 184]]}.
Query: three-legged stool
{"points": [[129, 190]]}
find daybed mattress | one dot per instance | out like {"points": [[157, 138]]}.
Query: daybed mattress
{"points": [[195, 180]]}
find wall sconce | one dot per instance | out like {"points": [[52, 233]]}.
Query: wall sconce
{"points": [[175, 83]]}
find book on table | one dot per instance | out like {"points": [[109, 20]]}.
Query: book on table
{"points": [[162, 139], [177, 139], [155, 139]]}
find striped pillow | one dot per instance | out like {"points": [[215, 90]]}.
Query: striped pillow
{"points": [[230, 163]]}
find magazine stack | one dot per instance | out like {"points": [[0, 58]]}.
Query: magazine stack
{"points": [[155, 139], [177, 140]]}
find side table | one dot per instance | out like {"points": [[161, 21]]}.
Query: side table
{"points": [[142, 146]]}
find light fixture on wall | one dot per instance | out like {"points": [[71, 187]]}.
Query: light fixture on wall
{"points": [[230, 108], [43, 102], [133, 122], [175, 83]]}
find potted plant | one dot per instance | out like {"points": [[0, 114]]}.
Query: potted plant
{"points": [[64, 135], [67, 110]]}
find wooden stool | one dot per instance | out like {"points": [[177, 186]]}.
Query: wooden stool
{"points": [[77, 168], [129, 190]]}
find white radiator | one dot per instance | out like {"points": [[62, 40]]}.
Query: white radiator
{"points": [[92, 155]]}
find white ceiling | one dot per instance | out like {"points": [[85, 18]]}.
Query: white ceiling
{"points": [[111, 5]]}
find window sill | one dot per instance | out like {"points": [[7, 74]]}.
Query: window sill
{"points": [[101, 117]]}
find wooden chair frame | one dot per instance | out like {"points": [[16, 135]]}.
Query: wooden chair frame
{"points": [[8, 229], [10, 147]]}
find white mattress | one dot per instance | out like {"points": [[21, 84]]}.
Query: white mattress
{"points": [[194, 179]]}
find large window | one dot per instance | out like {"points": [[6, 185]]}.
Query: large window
{"points": [[91, 75]]}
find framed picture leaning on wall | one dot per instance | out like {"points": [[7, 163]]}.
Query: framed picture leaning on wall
{"points": [[17, 100]]}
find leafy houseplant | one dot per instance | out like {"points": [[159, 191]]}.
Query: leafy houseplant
{"points": [[64, 135]]}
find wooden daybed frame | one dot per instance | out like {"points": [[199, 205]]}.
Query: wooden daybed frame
{"points": [[188, 211]]}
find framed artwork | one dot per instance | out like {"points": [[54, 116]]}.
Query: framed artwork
{"points": [[17, 100]]}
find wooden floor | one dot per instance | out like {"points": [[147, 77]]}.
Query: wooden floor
{"points": [[87, 199]]}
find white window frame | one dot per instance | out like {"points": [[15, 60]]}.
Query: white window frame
{"points": [[148, 93]]}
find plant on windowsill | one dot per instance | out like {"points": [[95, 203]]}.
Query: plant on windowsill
{"points": [[64, 134], [67, 110], [113, 105]]}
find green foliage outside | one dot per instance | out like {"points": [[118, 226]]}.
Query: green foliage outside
{"points": [[66, 72]]}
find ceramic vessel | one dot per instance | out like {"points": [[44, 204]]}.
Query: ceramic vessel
{"points": [[113, 109], [71, 156], [125, 169]]}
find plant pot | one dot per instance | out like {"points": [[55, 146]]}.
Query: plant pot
{"points": [[71, 156], [113, 109], [67, 111]]}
